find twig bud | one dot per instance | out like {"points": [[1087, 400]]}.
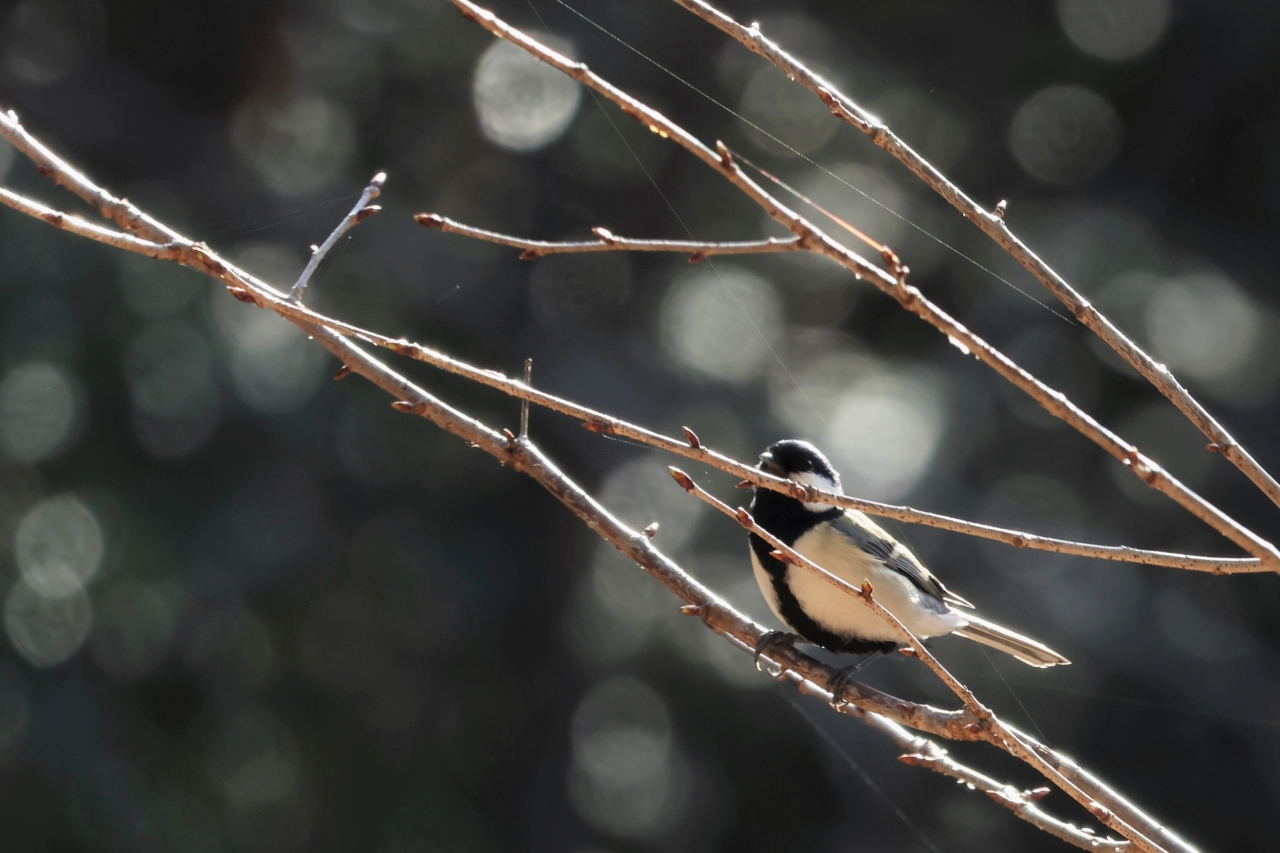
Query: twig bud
{"points": [[1036, 794], [367, 211], [744, 484], [406, 406], [685, 481], [342, 373], [430, 220], [1000, 208], [726, 158], [744, 518], [691, 609], [650, 530], [692, 437], [908, 652], [915, 759], [242, 294]]}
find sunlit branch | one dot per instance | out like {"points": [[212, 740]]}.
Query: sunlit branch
{"points": [[519, 454], [815, 240], [609, 242], [993, 225], [362, 211]]}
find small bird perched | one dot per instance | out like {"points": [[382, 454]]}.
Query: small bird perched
{"points": [[850, 546]]}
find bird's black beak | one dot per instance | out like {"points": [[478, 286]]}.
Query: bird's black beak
{"points": [[769, 466]]}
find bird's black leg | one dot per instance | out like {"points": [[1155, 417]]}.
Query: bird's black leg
{"points": [[844, 676], [774, 638]]}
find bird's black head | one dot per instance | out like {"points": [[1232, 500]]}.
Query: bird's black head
{"points": [[802, 462], [783, 515]]}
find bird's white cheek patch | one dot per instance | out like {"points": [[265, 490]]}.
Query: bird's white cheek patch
{"points": [[817, 481]]}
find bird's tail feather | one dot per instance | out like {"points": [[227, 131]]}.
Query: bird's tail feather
{"points": [[1023, 648]]}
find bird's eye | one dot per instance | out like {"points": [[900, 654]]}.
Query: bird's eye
{"points": [[808, 465]]}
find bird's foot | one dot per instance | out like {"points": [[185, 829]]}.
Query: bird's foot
{"points": [[844, 676], [774, 638]]}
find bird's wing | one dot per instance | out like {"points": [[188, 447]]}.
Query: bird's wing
{"points": [[875, 541]]}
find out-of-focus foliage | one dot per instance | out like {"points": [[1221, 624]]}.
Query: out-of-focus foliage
{"points": [[248, 609]]}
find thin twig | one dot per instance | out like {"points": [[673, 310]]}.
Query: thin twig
{"points": [[524, 404], [362, 211], [910, 297], [521, 455], [245, 288], [609, 242], [993, 225]]}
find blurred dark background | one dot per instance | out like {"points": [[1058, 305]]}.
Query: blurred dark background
{"points": [[250, 609]]}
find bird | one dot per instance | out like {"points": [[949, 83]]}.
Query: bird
{"points": [[852, 547]]}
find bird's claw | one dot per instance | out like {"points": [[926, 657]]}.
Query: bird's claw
{"points": [[771, 639], [844, 676]]}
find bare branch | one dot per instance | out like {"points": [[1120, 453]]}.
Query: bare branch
{"points": [[993, 225], [50, 165], [610, 242], [910, 297], [921, 752], [362, 211], [244, 287], [521, 455]]}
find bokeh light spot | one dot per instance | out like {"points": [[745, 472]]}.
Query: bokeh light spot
{"points": [[275, 368], [1065, 134], [721, 323], [1204, 326], [884, 432], [780, 106], [623, 780], [1114, 29], [299, 145], [38, 412], [46, 631], [59, 546], [522, 103]]}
